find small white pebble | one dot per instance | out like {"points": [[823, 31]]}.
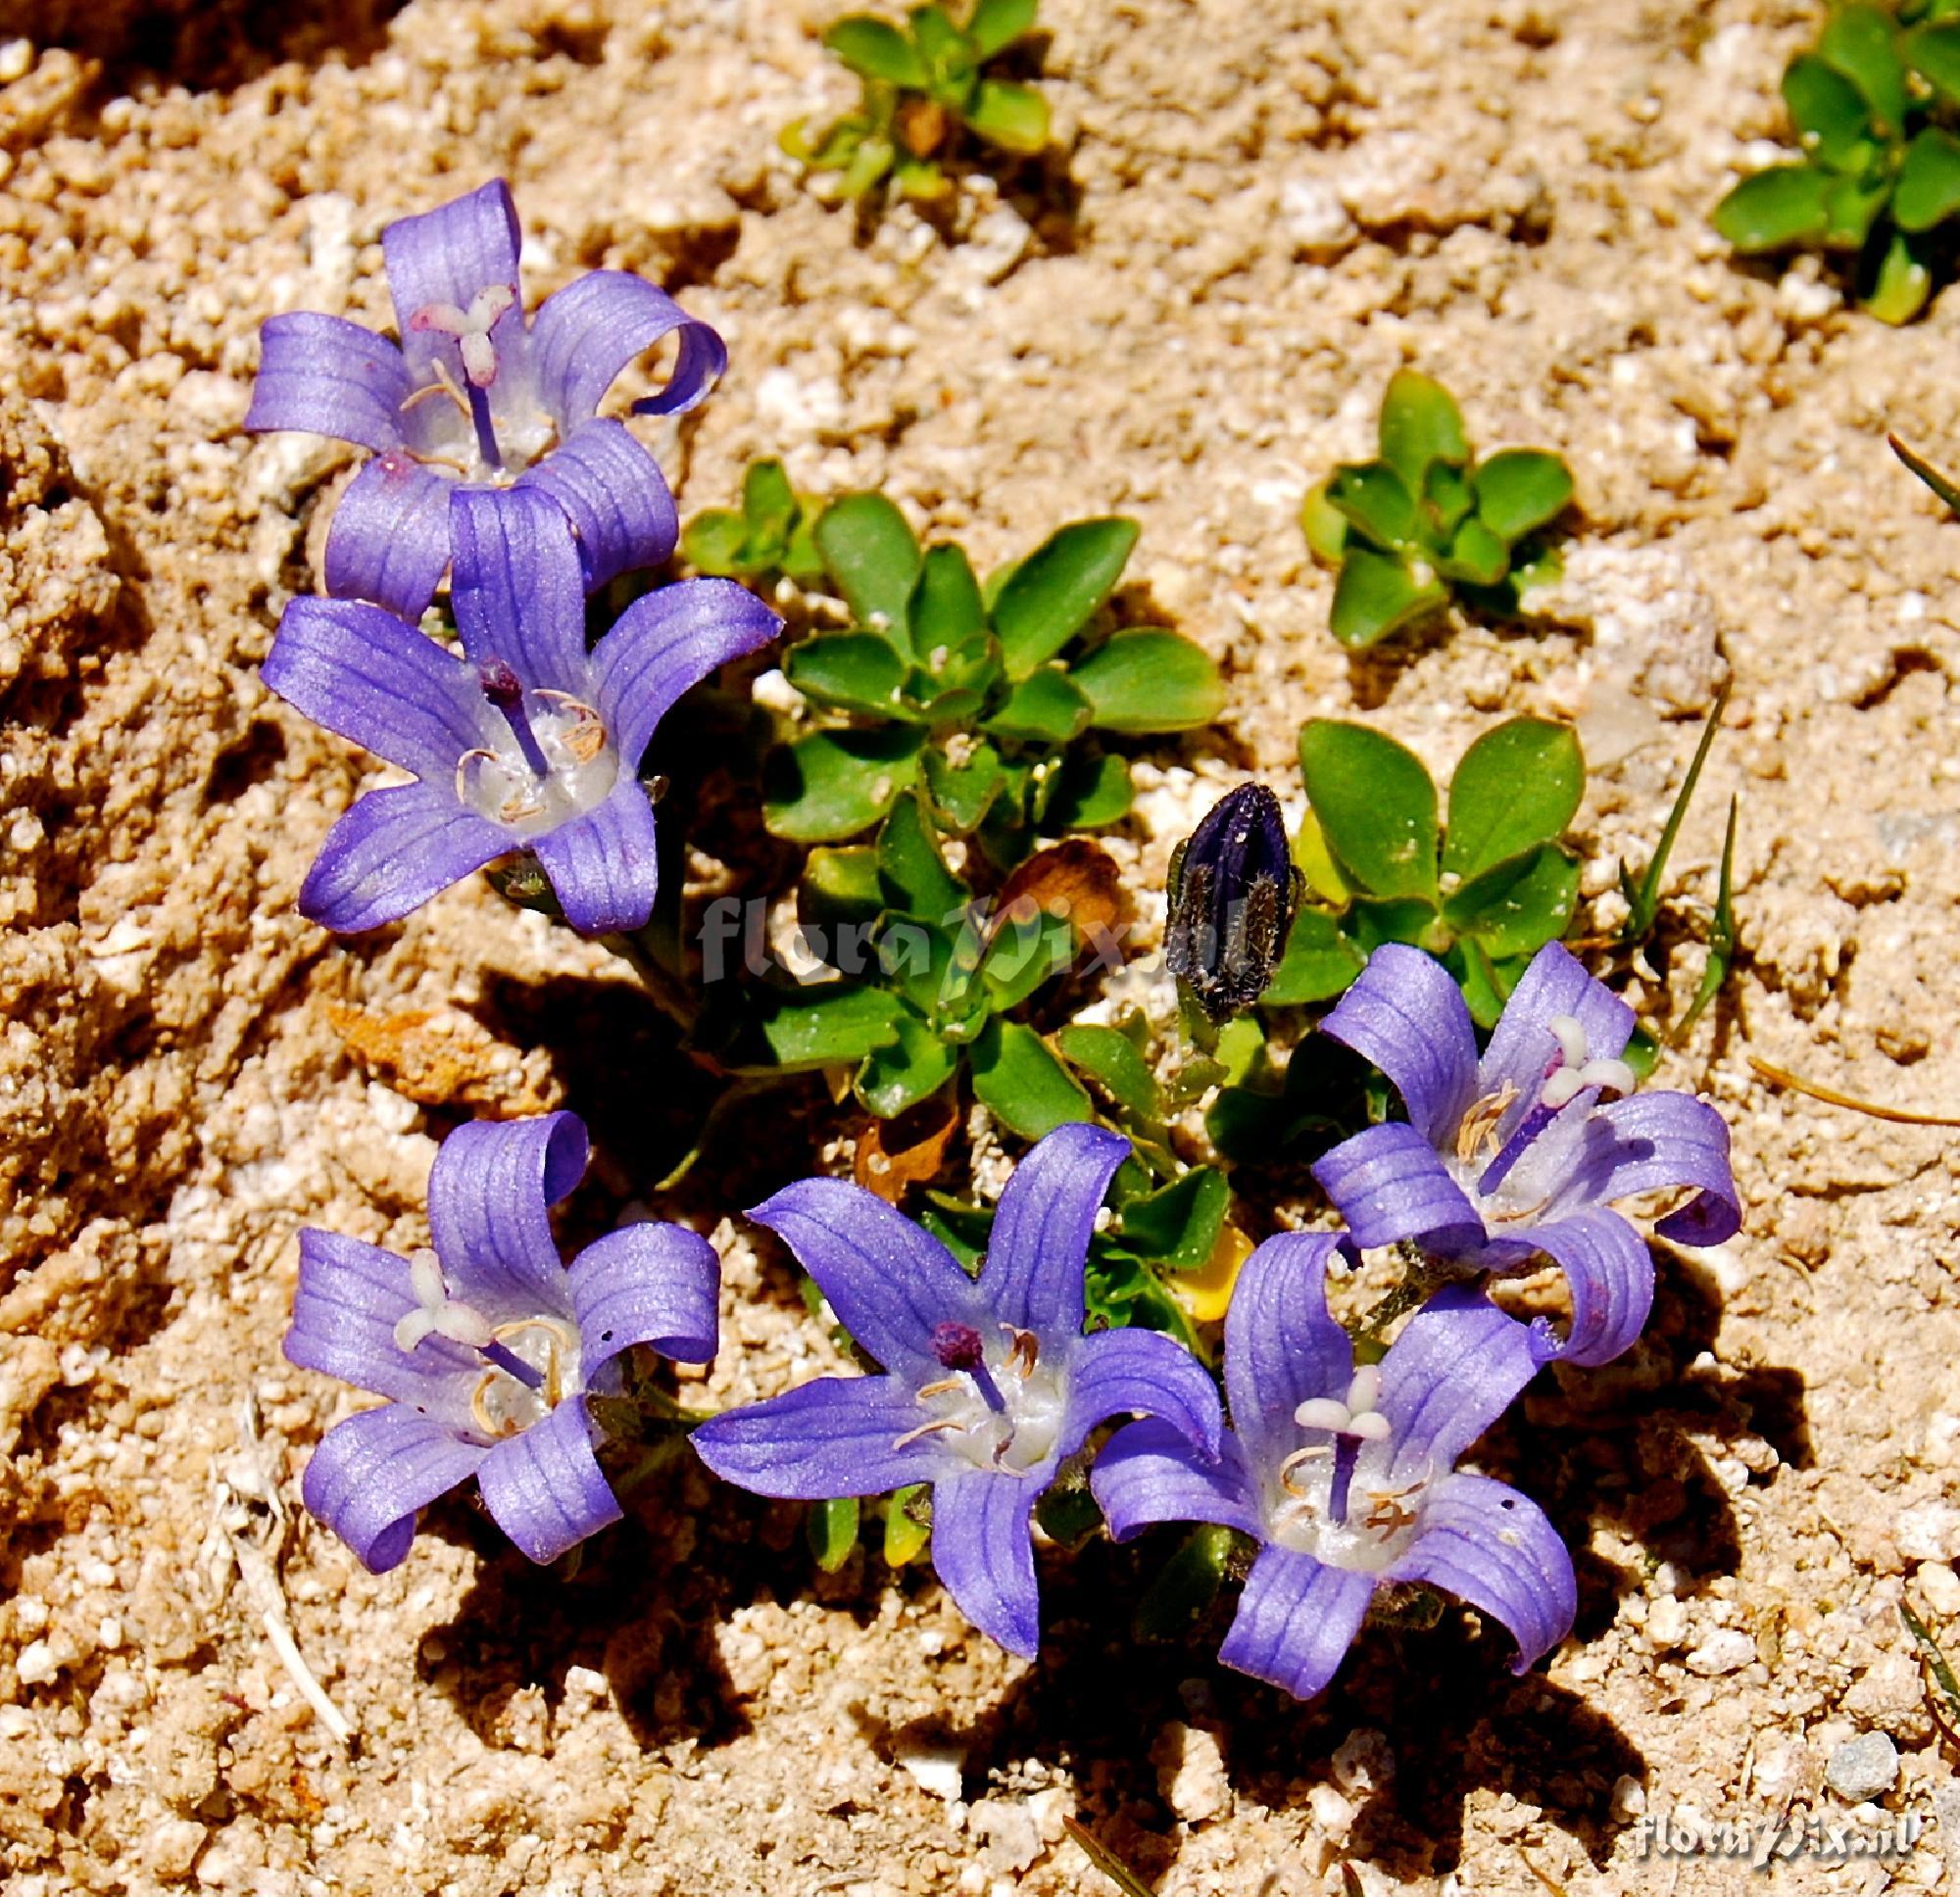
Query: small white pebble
{"points": [[36, 1663], [1863, 1768]]}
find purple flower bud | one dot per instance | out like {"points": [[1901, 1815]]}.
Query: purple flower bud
{"points": [[1233, 891]]}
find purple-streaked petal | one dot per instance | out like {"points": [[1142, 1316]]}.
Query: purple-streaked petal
{"points": [[1456, 1367], [602, 865], [1141, 1373], [836, 1437], [1388, 1184], [615, 497], [1149, 1471], [1281, 1346], [1610, 1273], [1522, 1048], [389, 539], [323, 375], [350, 1298], [985, 1557], [375, 679], [450, 256], [373, 1470], [888, 1282], [586, 333], [1038, 1247], [1491, 1546], [490, 1194], [545, 1488], [657, 1285], [518, 589], [391, 852], [1296, 1620], [667, 642], [1406, 1013], [1649, 1142]]}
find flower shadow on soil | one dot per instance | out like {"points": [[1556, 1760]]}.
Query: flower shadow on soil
{"points": [[208, 43]]}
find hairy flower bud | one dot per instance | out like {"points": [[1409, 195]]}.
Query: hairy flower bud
{"points": [[1233, 891]]}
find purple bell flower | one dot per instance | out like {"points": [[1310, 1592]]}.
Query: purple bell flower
{"points": [[1347, 1477], [474, 395], [487, 1347], [524, 740], [1521, 1153], [989, 1383]]}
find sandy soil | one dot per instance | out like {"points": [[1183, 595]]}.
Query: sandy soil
{"points": [[1275, 205]]}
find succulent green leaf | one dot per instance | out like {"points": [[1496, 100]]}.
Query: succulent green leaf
{"points": [[1376, 807], [1378, 594], [1022, 1084], [1023, 957], [1044, 708], [1420, 424], [1446, 499], [1324, 525], [870, 160], [1009, 116], [1412, 919], [1373, 497], [913, 1068], [768, 502], [1177, 1224], [1933, 53], [1861, 43], [912, 876], [1115, 1063], [1851, 205], [1782, 206], [996, 23], [831, 1530], [1150, 679], [840, 885], [856, 671], [1174, 1602], [962, 793], [874, 559], [828, 1025], [908, 1524], [1476, 557], [921, 180], [1048, 598], [1929, 182], [1517, 907], [1518, 786], [1320, 962], [874, 49], [717, 541], [945, 612], [1520, 490], [1089, 793], [833, 784], [1829, 112], [1902, 283]]}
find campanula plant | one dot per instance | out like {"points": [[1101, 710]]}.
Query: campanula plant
{"points": [[475, 394], [1426, 523], [1874, 105], [924, 83]]}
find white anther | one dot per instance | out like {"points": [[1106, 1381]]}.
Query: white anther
{"points": [[1365, 1389], [1562, 1086], [436, 1313], [1322, 1413], [1612, 1075], [1570, 1035]]}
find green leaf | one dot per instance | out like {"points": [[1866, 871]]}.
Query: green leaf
{"points": [[946, 611], [1048, 598], [921, 180], [1150, 679], [913, 1068], [1176, 1599], [1929, 182], [1042, 707], [840, 885], [1022, 1084], [1009, 116], [996, 23], [962, 793], [1372, 497], [1324, 525], [1517, 907], [1089, 793], [1376, 807], [833, 784], [873, 557], [908, 1524], [1861, 43], [768, 502], [1475, 556], [1934, 52], [831, 1530], [1320, 962], [1827, 109], [1721, 934], [715, 542], [877, 50], [1782, 206], [855, 671], [1446, 500], [1025, 957], [1378, 594], [1851, 207], [1644, 897], [1411, 918], [912, 876], [1420, 424], [829, 1025], [1177, 1225], [1902, 284], [1521, 489], [1518, 786], [1112, 1059], [868, 164]]}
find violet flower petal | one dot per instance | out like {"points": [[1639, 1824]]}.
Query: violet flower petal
{"points": [[1660, 1139], [889, 1283], [834, 1437], [1455, 1368], [452, 254], [373, 1470], [1522, 1046], [517, 590], [604, 866], [667, 642], [1042, 1227], [588, 332], [1281, 1346], [389, 539], [1296, 1620], [1405, 1014], [615, 497], [365, 674], [1149, 1472], [490, 1194], [657, 1285], [323, 375], [1610, 1273], [984, 1555], [1389, 1184], [1489, 1545], [1135, 1372], [350, 1298], [391, 852], [544, 1486]]}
